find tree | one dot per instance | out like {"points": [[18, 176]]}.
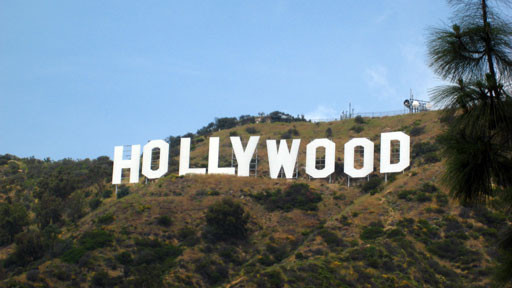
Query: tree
{"points": [[475, 56], [13, 218], [48, 210], [29, 247], [75, 206], [226, 220]]}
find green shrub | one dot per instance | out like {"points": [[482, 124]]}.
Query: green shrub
{"points": [[331, 238], [359, 120], [395, 233], [490, 218], [423, 197], [94, 203], [230, 254], [273, 279], [428, 188], [123, 191], [372, 231], [33, 275], [188, 236], [105, 219], [422, 148], [442, 200], [29, 247], [152, 251], [95, 239], [107, 193], [430, 158], [73, 255], [372, 185], [233, 133], [251, 130], [102, 279], [226, 220], [297, 195], [328, 132], [417, 131], [124, 258], [164, 221], [211, 270], [357, 128], [407, 195], [13, 218], [290, 133], [278, 252], [425, 232], [454, 251]]}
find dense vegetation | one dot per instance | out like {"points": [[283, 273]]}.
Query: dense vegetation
{"points": [[62, 225]]}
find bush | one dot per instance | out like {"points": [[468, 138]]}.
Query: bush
{"points": [[13, 218], [124, 258], [251, 130], [372, 185], [328, 132], [357, 128], [33, 275], [395, 233], [105, 219], [164, 220], [417, 131], [152, 251], [297, 195], [423, 197], [107, 193], [96, 239], [211, 270], [453, 250], [233, 133], [407, 195], [94, 203], [102, 279], [273, 279], [422, 148], [290, 133], [359, 120], [372, 231], [188, 237], [73, 255], [490, 218], [226, 220], [29, 247], [330, 238], [442, 200], [430, 158], [123, 192]]}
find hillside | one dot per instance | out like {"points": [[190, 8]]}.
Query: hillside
{"points": [[405, 232]]}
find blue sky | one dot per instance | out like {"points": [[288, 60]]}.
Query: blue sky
{"points": [[79, 77]]}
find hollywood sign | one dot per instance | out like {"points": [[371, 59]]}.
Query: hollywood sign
{"points": [[279, 158]]}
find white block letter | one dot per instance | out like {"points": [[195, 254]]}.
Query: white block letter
{"points": [[311, 149], [243, 158], [284, 158], [133, 164], [385, 152], [213, 159], [349, 157], [147, 158], [185, 159]]}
